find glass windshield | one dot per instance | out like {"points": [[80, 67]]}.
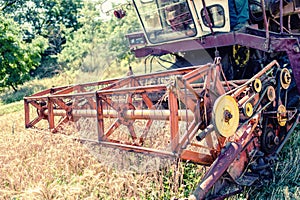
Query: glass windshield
{"points": [[166, 20]]}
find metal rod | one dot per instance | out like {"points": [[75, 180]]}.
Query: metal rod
{"points": [[217, 169], [45, 97], [139, 89], [201, 158], [173, 105], [50, 114], [131, 148], [205, 132], [99, 113], [197, 157], [265, 20], [188, 136], [281, 16], [27, 113], [289, 134], [129, 114], [207, 17]]}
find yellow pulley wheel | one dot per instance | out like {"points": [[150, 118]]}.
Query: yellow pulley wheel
{"points": [[257, 85], [281, 115], [226, 115], [285, 78], [248, 109]]}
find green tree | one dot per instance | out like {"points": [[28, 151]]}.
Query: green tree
{"points": [[100, 41], [51, 19], [41, 16], [17, 59]]}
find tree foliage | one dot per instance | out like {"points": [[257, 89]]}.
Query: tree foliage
{"points": [[42, 16], [100, 41], [35, 34], [47, 18], [16, 57]]}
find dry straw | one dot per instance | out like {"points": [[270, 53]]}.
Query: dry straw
{"points": [[36, 164]]}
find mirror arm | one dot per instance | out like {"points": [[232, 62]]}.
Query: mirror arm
{"points": [[207, 17]]}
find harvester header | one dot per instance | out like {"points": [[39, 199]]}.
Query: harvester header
{"points": [[229, 101]]}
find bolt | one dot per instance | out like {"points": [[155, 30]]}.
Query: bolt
{"points": [[227, 115]]}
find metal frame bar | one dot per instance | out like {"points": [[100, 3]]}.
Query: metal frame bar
{"points": [[181, 89]]}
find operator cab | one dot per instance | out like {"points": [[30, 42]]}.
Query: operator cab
{"points": [[167, 21]]}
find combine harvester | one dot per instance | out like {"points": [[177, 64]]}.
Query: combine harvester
{"points": [[232, 113]]}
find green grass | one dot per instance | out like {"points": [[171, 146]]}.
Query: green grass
{"points": [[35, 85], [10, 108], [286, 181]]}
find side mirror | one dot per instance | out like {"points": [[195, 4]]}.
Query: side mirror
{"points": [[119, 13], [216, 15]]}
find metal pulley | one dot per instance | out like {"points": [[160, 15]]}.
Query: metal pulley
{"points": [[281, 115], [285, 78], [271, 94], [256, 85], [226, 115], [248, 109]]}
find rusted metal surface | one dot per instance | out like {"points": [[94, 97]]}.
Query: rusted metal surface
{"points": [[187, 105], [251, 37], [130, 99]]}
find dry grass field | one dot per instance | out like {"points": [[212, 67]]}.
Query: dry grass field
{"points": [[35, 164]]}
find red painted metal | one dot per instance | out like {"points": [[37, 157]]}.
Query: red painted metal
{"points": [[125, 113]]}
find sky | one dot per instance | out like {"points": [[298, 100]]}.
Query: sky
{"points": [[106, 7]]}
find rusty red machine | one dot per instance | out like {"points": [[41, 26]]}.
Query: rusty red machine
{"points": [[229, 101]]}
